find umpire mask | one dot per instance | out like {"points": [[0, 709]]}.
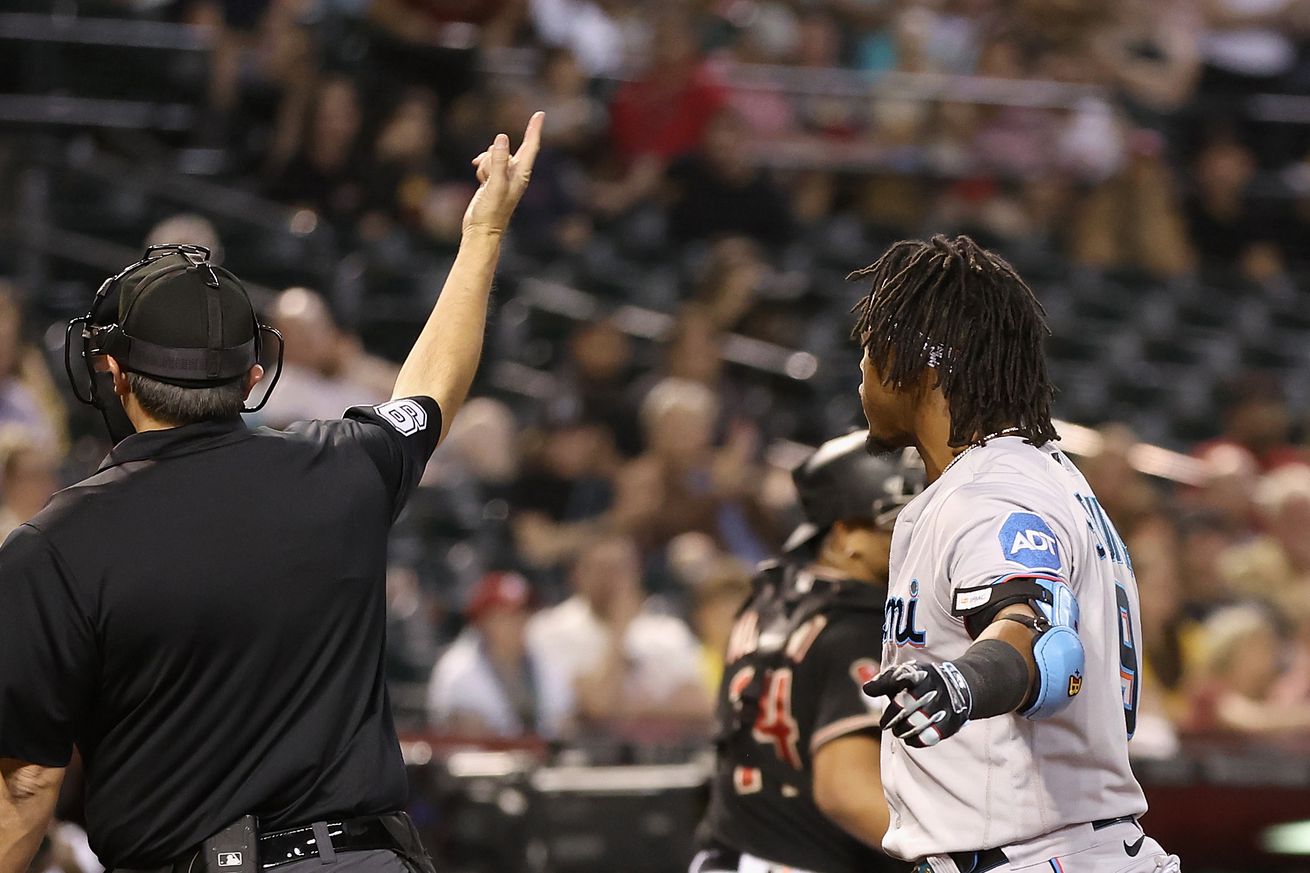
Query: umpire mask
{"points": [[172, 316]]}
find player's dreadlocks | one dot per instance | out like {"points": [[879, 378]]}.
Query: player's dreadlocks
{"points": [[952, 305]]}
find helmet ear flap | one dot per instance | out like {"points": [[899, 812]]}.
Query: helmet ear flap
{"points": [[103, 313], [277, 372]]}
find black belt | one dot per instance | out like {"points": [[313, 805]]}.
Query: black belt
{"points": [[990, 859], [276, 848], [352, 835]]}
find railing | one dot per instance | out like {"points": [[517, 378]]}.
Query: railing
{"points": [[124, 33]]}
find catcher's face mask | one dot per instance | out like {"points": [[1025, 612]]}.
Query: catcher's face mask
{"points": [[172, 316]]}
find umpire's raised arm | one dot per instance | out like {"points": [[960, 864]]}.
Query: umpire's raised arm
{"points": [[445, 357]]}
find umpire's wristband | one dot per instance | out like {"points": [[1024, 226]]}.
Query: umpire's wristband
{"points": [[997, 675]]}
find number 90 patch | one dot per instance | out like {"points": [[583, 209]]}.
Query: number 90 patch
{"points": [[405, 415]]}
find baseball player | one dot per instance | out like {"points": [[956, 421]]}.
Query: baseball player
{"points": [[797, 786], [1011, 637]]}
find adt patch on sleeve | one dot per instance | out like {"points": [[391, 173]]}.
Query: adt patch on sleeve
{"points": [[1028, 540]]}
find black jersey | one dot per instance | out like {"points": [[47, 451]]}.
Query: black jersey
{"points": [[204, 619], [801, 649]]}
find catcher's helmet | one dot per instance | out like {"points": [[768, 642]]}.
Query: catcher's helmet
{"points": [[841, 481]]}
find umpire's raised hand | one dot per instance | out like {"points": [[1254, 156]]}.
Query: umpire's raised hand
{"points": [[445, 357], [502, 179]]}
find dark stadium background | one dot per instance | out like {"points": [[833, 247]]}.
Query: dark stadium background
{"points": [[713, 169]]}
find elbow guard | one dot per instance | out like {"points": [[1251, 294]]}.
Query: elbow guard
{"points": [[1057, 649]]}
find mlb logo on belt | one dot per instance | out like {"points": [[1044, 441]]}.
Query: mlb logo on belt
{"points": [[229, 859]]}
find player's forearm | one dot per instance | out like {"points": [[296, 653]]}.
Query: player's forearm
{"points": [[27, 801], [999, 666], [867, 821], [445, 357], [847, 786]]}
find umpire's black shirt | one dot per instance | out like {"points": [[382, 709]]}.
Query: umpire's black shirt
{"points": [[204, 619]]}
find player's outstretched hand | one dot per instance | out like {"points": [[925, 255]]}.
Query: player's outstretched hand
{"points": [[927, 703], [502, 179]]}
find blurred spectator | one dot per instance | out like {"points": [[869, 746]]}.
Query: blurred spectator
{"points": [[694, 349], [1224, 220], [563, 496], [576, 118], [259, 45], [325, 371], [1227, 492], [1247, 46], [431, 44], [665, 112], [1151, 50], [1133, 220], [589, 29], [1204, 538], [683, 483], [1275, 567], [325, 171], [596, 381], [1168, 636], [659, 116], [30, 476], [457, 525], [405, 183], [732, 274], [720, 191], [1238, 669], [717, 597], [1294, 685], [28, 396], [1257, 420], [818, 47], [625, 662], [480, 446], [187, 228], [490, 682]]}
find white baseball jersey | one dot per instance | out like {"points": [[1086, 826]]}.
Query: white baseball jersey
{"points": [[1002, 510]]}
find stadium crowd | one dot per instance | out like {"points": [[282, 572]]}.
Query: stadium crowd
{"points": [[572, 563]]}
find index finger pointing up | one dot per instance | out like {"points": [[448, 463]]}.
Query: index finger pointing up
{"points": [[527, 153]]}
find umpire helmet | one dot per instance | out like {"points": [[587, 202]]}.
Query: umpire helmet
{"points": [[172, 316], [841, 481]]}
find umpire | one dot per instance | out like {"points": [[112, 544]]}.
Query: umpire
{"points": [[797, 785], [203, 618]]}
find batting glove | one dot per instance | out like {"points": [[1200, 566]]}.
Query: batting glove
{"points": [[926, 703]]}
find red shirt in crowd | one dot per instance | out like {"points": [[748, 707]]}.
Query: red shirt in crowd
{"points": [[662, 116]]}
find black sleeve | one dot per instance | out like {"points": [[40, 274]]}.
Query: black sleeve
{"points": [[399, 437], [844, 657], [47, 652]]}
